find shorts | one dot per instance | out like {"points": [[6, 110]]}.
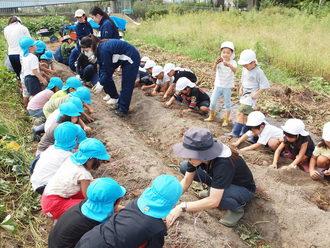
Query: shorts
{"points": [[205, 103], [245, 109], [25, 93], [32, 84]]}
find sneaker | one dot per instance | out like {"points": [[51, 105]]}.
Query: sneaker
{"points": [[112, 101], [89, 84], [120, 113], [107, 98], [114, 107], [203, 194]]}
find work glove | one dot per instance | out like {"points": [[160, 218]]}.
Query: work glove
{"points": [[97, 88], [92, 59], [78, 76]]}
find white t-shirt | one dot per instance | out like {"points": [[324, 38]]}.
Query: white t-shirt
{"points": [[225, 76], [30, 63], [46, 167], [252, 81], [51, 119], [13, 33], [65, 181], [165, 79], [267, 133]]}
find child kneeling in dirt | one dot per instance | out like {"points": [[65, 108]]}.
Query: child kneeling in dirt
{"points": [[320, 161], [260, 133], [254, 82], [190, 94], [297, 143], [140, 223], [163, 81]]}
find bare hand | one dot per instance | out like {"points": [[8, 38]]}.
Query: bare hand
{"points": [[236, 144], [287, 167], [240, 91], [225, 63], [218, 60], [88, 130], [254, 95], [314, 174], [153, 93], [167, 104], [186, 111], [91, 111], [273, 166], [144, 88], [173, 215], [44, 81], [89, 119]]}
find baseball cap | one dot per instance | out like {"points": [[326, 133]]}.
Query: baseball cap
{"points": [[72, 82], [145, 59], [55, 81], [255, 118], [183, 83], [156, 70], [79, 13], [76, 101], [295, 127], [102, 194], [149, 64], [247, 56], [89, 148], [49, 54], [25, 42], [82, 93], [326, 132], [65, 136], [198, 143], [69, 109], [158, 200], [41, 46], [168, 67]]}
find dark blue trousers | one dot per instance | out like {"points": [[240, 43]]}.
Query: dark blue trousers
{"points": [[16, 64]]}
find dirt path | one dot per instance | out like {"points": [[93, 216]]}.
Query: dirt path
{"points": [[289, 209]]}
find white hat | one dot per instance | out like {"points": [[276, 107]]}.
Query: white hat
{"points": [[229, 45], [156, 70], [79, 13], [183, 83], [326, 132], [149, 64], [66, 37], [295, 127], [255, 118], [145, 59], [247, 56], [168, 67]]}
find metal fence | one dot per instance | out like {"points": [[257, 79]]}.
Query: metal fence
{"points": [[194, 8]]}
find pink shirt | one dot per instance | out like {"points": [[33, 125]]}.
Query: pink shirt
{"points": [[39, 100]]}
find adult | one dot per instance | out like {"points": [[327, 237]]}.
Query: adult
{"points": [[13, 32], [108, 28], [221, 168], [110, 55], [83, 27]]}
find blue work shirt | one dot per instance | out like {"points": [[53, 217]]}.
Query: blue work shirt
{"points": [[73, 58], [82, 30], [107, 29]]}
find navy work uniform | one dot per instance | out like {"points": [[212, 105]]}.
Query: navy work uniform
{"points": [[82, 30], [107, 29]]}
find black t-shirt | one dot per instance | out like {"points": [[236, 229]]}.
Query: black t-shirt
{"points": [[223, 173], [196, 96], [143, 73], [70, 227], [184, 73], [129, 228], [310, 147]]}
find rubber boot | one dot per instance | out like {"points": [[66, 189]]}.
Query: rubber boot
{"points": [[244, 130], [225, 121], [203, 194], [232, 216], [37, 131], [211, 117], [236, 130]]}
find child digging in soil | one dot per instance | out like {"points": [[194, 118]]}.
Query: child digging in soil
{"points": [[163, 81], [260, 133], [225, 66], [320, 161], [297, 143], [254, 82], [192, 95]]}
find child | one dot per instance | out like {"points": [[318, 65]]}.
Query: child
{"points": [[104, 195], [66, 49], [44, 65], [225, 67], [71, 84], [143, 75], [32, 76], [254, 82], [297, 142], [266, 134], [140, 223], [177, 72], [50, 61], [150, 64], [163, 80], [192, 94], [320, 161], [69, 184], [144, 60]]}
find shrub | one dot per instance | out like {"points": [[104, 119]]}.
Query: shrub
{"points": [[139, 9]]}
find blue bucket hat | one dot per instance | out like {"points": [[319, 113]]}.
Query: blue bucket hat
{"points": [[65, 136], [76, 101], [43, 56], [49, 54], [69, 109], [26, 42], [89, 148], [102, 194], [72, 82], [158, 200], [55, 81], [81, 134], [41, 46], [83, 93]]}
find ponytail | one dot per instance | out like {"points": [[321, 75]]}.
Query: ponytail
{"points": [[96, 10]]}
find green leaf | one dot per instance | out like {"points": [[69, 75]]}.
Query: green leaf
{"points": [[9, 225], [19, 170], [244, 236]]}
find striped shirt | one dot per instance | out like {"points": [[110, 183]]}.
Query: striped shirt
{"points": [[225, 76]]}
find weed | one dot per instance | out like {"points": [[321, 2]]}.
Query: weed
{"points": [[251, 236]]}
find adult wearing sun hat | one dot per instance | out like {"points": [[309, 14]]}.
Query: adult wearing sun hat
{"points": [[53, 157], [210, 162], [68, 186], [66, 49], [104, 196], [140, 223]]}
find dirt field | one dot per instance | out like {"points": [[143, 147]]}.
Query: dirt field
{"points": [[289, 208]]}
